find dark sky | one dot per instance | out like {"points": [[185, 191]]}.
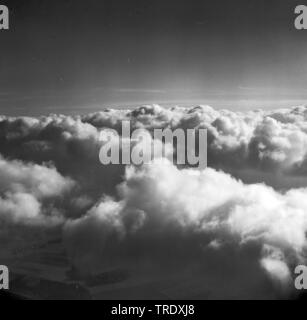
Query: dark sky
{"points": [[74, 56]]}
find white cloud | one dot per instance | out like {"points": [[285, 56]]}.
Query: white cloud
{"points": [[158, 218], [25, 187], [162, 207]]}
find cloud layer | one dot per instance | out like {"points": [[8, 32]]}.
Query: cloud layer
{"points": [[243, 218]]}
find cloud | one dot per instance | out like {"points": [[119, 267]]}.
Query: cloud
{"points": [[258, 141], [24, 188], [241, 222], [166, 217], [268, 140]]}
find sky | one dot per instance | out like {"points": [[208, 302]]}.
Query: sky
{"points": [[80, 56]]}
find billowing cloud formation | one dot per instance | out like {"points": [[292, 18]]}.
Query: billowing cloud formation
{"points": [[25, 187], [219, 224], [254, 146], [166, 215]]}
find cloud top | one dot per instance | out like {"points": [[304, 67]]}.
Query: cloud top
{"points": [[249, 207]]}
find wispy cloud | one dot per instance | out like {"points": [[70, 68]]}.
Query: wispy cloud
{"points": [[139, 90]]}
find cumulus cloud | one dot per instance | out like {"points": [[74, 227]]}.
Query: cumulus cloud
{"points": [[240, 143], [241, 220], [25, 187], [169, 216]]}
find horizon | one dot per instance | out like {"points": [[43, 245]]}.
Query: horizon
{"points": [[76, 58]]}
